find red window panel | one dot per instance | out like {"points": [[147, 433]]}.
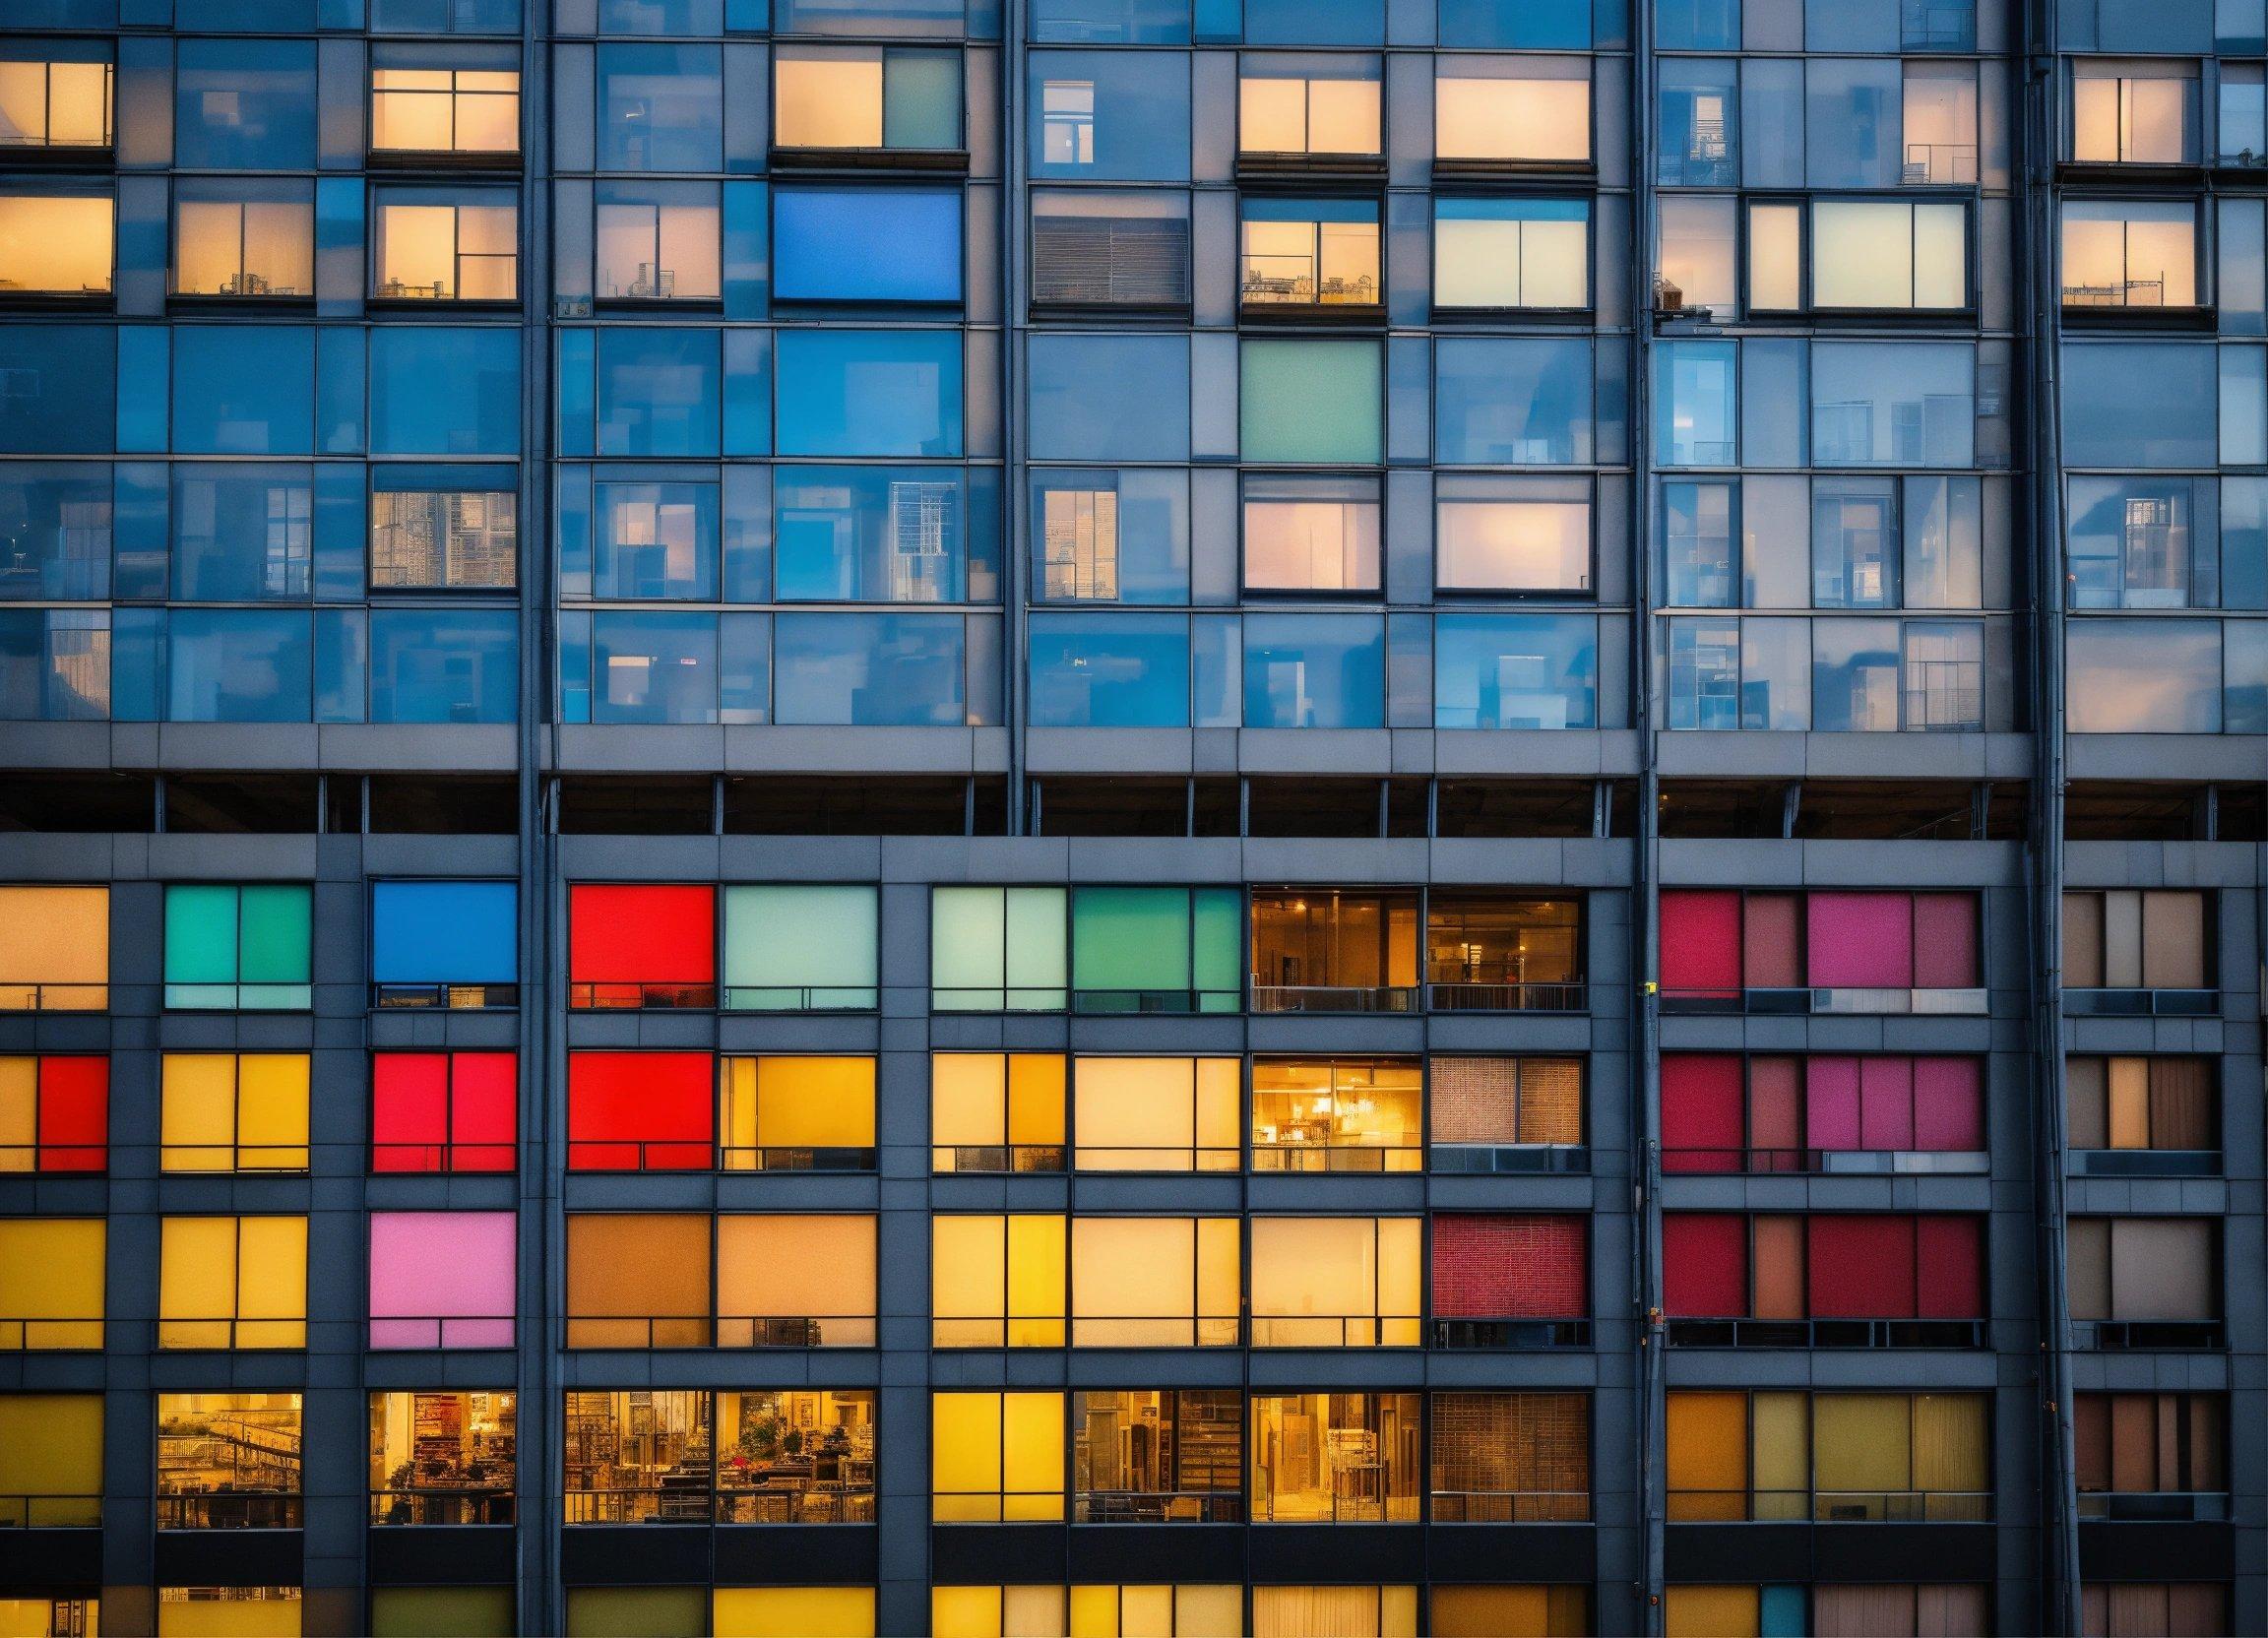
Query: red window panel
{"points": [[1705, 1265], [1946, 955], [640, 1112], [642, 946], [1949, 1252], [443, 1111], [1886, 1103], [1861, 940], [1701, 944], [1772, 941], [1948, 1103], [74, 1127], [1525, 1267], [1702, 1122], [1861, 1266], [1831, 1119]]}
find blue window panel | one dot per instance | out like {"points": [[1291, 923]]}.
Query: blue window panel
{"points": [[658, 391], [1110, 671], [1314, 22], [442, 17], [1147, 534], [242, 533], [747, 250], [653, 667], [861, 244], [244, 106], [892, 671], [1081, 386], [1912, 404], [648, 541], [744, 668], [256, 17], [243, 390], [2244, 661], [748, 392], [141, 504], [1517, 24], [870, 392], [340, 388], [1108, 116], [1783, 1612], [1515, 671], [62, 381], [1697, 404], [574, 700], [1314, 672], [445, 390], [444, 933], [144, 391], [869, 18], [444, 665], [1700, 26], [1512, 402], [1111, 22], [238, 665], [870, 535], [661, 17], [661, 107], [2140, 403], [55, 530], [54, 664], [578, 434], [341, 665]]}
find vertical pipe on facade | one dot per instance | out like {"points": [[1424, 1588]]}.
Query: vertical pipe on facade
{"points": [[538, 1571], [1015, 558], [2038, 131], [1646, 1045]]}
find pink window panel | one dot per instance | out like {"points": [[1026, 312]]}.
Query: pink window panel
{"points": [[1702, 1125], [1862, 940], [1705, 1265], [1886, 1103], [1524, 1267], [1831, 1102], [1946, 955], [1951, 1255], [1772, 942], [1701, 944], [1861, 1266], [442, 1278], [1948, 1103]]}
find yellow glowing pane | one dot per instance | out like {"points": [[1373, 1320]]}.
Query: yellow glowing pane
{"points": [[793, 1613], [814, 1103], [831, 101], [1708, 1455], [1032, 1440], [1133, 1281], [968, 1270], [1861, 1443], [1036, 1279], [965, 1455], [197, 1111], [19, 1113], [51, 1282], [55, 245], [54, 947], [50, 1459], [229, 1612], [965, 1611], [1035, 1082], [1710, 1611], [968, 1100]]}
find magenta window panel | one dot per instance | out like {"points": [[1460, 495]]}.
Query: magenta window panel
{"points": [[1885, 1103], [1701, 944], [1945, 941], [442, 1278], [1831, 1104], [1861, 940], [1948, 1103]]}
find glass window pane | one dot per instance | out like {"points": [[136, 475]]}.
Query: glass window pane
{"points": [[852, 392], [1515, 671]]}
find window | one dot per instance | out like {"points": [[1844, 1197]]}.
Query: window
{"points": [[2167, 1606], [999, 949], [443, 1111], [658, 241], [1503, 1115], [659, 392], [661, 107], [1117, 249], [870, 392], [442, 1278], [996, 1111], [459, 539], [1310, 253], [1493, 254], [997, 1282], [229, 1612], [437, 665], [51, 1282], [646, 541], [2129, 253], [867, 244], [55, 1114], [55, 244], [238, 948], [2151, 1456], [1067, 122], [1560, 1610], [1515, 671], [1866, 255], [54, 949], [640, 1112], [444, 392], [241, 104], [1718, 946], [964, 1611], [1511, 1281], [777, 1457], [232, 1282], [2241, 138], [887, 670], [794, 1612], [595, 1610], [880, 96], [1117, 116], [447, 244], [638, 1279], [1155, 949], [1697, 255], [1078, 384], [1335, 1281], [1700, 146], [1911, 405], [1512, 534], [1829, 1268], [1842, 1458], [442, 1458], [54, 99], [2130, 940], [1512, 402], [51, 1459], [1335, 1459], [996, 1457], [1155, 1114], [55, 519], [1721, 1112], [444, 943], [796, 1281], [877, 535], [444, 110], [233, 1112], [229, 1462], [797, 1114], [1314, 401], [1510, 1458], [641, 945], [242, 532], [2147, 1115], [1329, 113], [1312, 671], [248, 239], [2133, 677], [2144, 1282], [1487, 952], [1359, 1611], [1158, 1458], [1337, 1114], [1333, 951], [1516, 111], [1110, 670], [2134, 112], [1317, 535], [2141, 542]]}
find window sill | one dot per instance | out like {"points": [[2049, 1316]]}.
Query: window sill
{"points": [[711, 304], [2129, 174], [262, 304], [1872, 318], [440, 159], [1485, 168], [1310, 164], [1578, 317], [1110, 309], [57, 301], [1366, 314], [414, 304], [2086, 316], [953, 160]]}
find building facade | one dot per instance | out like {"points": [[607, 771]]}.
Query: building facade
{"points": [[1338, 817]]}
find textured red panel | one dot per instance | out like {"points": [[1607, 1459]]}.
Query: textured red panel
{"points": [[1948, 1103], [640, 1112], [1886, 1103], [1705, 1265], [1950, 1251], [1861, 1266], [1525, 1267], [408, 1112], [483, 1110], [1701, 944], [1945, 941], [74, 1114], [1702, 1123], [1861, 940], [642, 935]]}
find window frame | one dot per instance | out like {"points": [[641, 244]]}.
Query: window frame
{"points": [[456, 95], [236, 1156], [383, 193], [1805, 204]]}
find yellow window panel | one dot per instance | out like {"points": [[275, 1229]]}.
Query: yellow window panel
{"points": [[814, 1103], [51, 1459], [965, 1611], [272, 1282], [1035, 1088], [229, 1612], [1708, 1455], [51, 1282], [1862, 1450], [1710, 1611], [1780, 1460], [965, 1458], [968, 1279], [968, 1103], [1036, 1279], [1220, 1115], [272, 1111], [196, 1282], [1031, 1444], [1400, 1279], [778, 1273], [1205, 1611], [54, 949], [197, 1111], [19, 1115], [793, 1613]]}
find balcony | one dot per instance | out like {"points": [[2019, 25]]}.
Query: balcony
{"points": [[2145, 1163], [1157, 1507], [2142, 1003], [2115, 1336], [1834, 1163], [1826, 1332], [2155, 1506]]}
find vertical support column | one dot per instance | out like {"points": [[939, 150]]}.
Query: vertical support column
{"points": [[1015, 511]]}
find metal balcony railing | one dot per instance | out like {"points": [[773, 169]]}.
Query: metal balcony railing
{"points": [[1157, 1507], [437, 1505], [1826, 1332], [1511, 1506]]}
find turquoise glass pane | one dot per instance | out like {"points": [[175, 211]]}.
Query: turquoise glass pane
{"points": [[922, 99], [799, 946], [1130, 938], [1782, 1614], [1310, 402], [1038, 951], [201, 935], [1218, 948], [968, 947], [276, 937]]}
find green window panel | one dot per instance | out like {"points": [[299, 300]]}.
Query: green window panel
{"points": [[441, 1613], [637, 1611], [1157, 949], [1314, 401], [922, 99], [239, 948], [997, 949], [800, 949]]}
